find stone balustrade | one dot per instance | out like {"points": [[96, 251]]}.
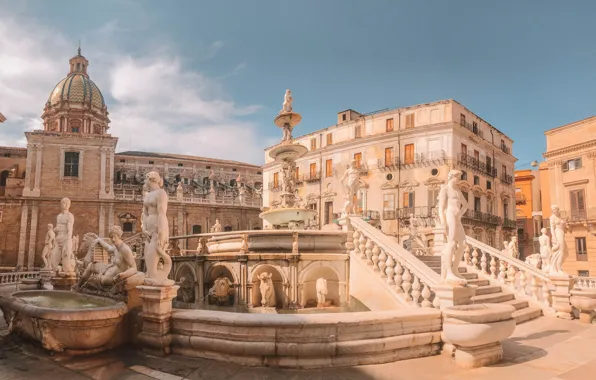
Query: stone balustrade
{"points": [[132, 195], [403, 272], [585, 282], [13, 278]]}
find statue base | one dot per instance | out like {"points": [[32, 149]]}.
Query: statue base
{"points": [[46, 276], [451, 295], [64, 281], [156, 315], [561, 296]]}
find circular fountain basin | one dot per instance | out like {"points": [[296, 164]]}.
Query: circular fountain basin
{"points": [[63, 320], [583, 299], [283, 216], [288, 152]]}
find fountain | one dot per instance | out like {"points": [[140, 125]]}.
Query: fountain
{"points": [[289, 214]]}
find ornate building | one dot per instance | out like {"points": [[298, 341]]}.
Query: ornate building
{"points": [[528, 211], [74, 156], [404, 156]]}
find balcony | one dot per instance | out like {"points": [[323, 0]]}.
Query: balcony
{"points": [[371, 215], [475, 129], [505, 149], [437, 157], [476, 165], [419, 212], [389, 215], [508, 223], [363, 169], [388, 164], [274, 186], [311, 177], [579, 215], [506, 178], [520, 199], [482, 217]]}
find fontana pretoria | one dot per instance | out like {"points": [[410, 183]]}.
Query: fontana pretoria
{"points": [[156, 266]]}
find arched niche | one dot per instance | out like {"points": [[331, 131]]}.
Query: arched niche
{"points": [[279, 283], [216, 271], [308, 279], [185, 277]]}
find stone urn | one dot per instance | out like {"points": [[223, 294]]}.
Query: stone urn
{"points": [[475, 332], [584, 300]]}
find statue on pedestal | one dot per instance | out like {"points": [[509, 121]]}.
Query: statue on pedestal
{"points": [[350, 181], [512, 248], [48, 247], [321, 287], [559, 249], [267, 291], [452, 206], [62, 254], [287, 104], [216, 227], [179, 191], [545, 250], [155, 229]]}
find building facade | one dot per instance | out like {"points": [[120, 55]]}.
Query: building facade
{"points": [[404, 156], [74, 156], [528, 210], [568, 180]]}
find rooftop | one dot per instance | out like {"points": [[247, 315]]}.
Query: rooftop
{"points": [[184, 157]]}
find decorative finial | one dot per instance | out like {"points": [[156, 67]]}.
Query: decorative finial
{"points": [[79, 47]]}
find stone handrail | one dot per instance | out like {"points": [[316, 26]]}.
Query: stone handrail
{"points": [[402, 270], [16, 277], [585, 282], [520, 277]]}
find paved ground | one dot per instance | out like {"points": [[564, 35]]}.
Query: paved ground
{"points": [[542, 349]]}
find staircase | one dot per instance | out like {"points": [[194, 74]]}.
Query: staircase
{"points": [[489, 293]]}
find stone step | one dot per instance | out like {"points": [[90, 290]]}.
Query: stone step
{"points": [[469, 276], [493, 298], [488, 289], [526, 314], [479, 282], [517, 304]]}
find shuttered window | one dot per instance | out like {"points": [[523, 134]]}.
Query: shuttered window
{"points": [[389, 125], [409, 154], [329, 168], [410, 121], [388, 156], [578, 204]]}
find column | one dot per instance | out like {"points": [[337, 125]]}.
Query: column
{"points": [[32, 236], [181, 229], [111, 168], [200, 279], [23, 234], [102, 220], [29, 164], [38, 157], [102, 173]]}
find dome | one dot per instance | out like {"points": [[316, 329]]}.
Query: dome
{"points": [[77, 88]]}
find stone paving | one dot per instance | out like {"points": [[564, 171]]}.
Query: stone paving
{"points": [[545, 348]]}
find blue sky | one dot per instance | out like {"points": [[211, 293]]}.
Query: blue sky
{"points": [[207, 77]]}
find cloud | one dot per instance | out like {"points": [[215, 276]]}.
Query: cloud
{"points": [[156, 101]]}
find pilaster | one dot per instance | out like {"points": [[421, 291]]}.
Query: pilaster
{"points": [[28, 166], [23, 234], [102, 220], [32, 236], [38, 156], [102, 174]]}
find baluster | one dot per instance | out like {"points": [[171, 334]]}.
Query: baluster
{"points": [[511, 272], [475, 258], [368, 250], [407, 284], [416, 290], [426, 297], [362, 246], [502, 271], [522, 282], [389, 271], [355, 240], [382, 263], [436, 302], [375, 257], [534, 285], [546, 296], [467, 255], [493, 267], [398, 278], [483, 262]]}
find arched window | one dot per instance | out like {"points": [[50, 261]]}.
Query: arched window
{"points": [[127, 227], [464, 175], [196, 229], [178, 178], [228, 228]]}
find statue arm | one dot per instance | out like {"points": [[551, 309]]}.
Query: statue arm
{"points": [[442, 209], [162, 219], [106, 246], [70, 225], [552, 229]]}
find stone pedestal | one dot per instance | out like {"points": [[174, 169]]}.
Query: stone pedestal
{"points": [[450, 295], [156, 315], [438, 240], [64, 281], [561, 296], [45, 278], [474, 357], [30, 284]]}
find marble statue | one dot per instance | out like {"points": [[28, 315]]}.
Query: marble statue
{"points": [[512, 248], [452, 205], [48, 247], [321, 286], [216, 227], [534, 260], [295, 243], [179, 191], [287, 104], [267, 291], [244, 246], [350, 183], [62, 254], [241, 194], [155, 207], [559, 249], [122, 266], [221, 290], [545, 249]]}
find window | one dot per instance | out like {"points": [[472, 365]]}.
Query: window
{"points": [[343, 117], [504, 169], [465, 194], [207, 167], [196, 229], [234, 169], [583, 273], [433, 195], [578, 204], [506, 210], [476, 157], [313, 143], [581, 251], [410, 121], [409, 199], [409, 154], [489, 185], [358, 131], [389, 125], [388, 156], [464, 175], [329, 139], [150, 162], [462, 119], [388, 202], [477, 204], [122, 160], [572, 164], [75, 129], [329, 168], [358, 159], [127, 227], [489, 164], [476, 180], [71, 164], [185, 180], [313, 170], [228, 228], [275, 180], [464, 149], [180, 164], [475, 127]]}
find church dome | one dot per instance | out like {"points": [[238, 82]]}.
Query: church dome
{"points": [[77, 88]]}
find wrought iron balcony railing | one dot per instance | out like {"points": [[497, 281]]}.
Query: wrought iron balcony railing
{"points": [[475, 164], [480, 216], [389, 215], [371, 215], [274, 186], [579, 214], [311, 177], [506, 178], [475, 129], [508, 223], [388, 164]]}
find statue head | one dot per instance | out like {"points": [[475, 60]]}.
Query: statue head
{"points": [[153, 178], [543, 231], [353, 164], [288, 92], [65, 204], [50, 226], [555, 209], [454, 175], [216, 221]]}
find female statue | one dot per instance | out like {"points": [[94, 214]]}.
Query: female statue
{"points": [[545, 250], [321, 287], [50, 242], [559, 250], [267, 291], [62, 253], [155, 230]]}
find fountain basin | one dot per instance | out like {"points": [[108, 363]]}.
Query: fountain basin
{"points": [[476, 332], [584, 300], [284, 216], [63, 321]]}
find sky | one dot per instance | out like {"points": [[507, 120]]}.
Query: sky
{"points": [[207, 78]]}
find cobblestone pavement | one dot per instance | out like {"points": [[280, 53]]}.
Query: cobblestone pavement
{"points": [[542, 349]]}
